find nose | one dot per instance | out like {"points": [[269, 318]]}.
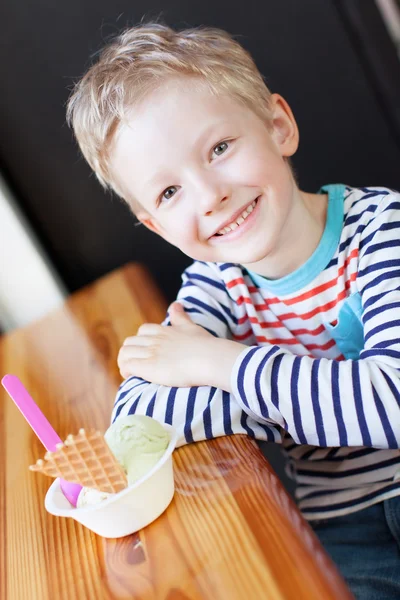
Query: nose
{"points": [[216, 203], [211, 195]]}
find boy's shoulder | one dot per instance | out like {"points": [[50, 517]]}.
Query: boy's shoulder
{"points": [[368, 212], [362, 197], [364, 205]]}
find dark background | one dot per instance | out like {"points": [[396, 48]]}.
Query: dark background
{"points": [[332, 60]]}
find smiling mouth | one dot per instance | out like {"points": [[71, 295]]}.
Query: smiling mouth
{"points": [[240, 219]]}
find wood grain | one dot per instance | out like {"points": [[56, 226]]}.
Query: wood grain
{"points": [[231, 531]]}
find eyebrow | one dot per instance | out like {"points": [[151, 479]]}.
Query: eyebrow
{"points": [[204, 135]]}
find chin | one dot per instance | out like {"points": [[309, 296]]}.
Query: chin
{"points": [[252, 259]]}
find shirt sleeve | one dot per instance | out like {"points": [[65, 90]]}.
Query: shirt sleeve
{"points": [[197, 413], [325, 402]]}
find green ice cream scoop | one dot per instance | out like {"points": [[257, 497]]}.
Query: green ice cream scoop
{"points": [[138, 442]]}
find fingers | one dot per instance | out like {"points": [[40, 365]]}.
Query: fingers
{"points": [[137, 347], [129, 356], [145, 329], [140, 340], [150, 329], [178, 316]]}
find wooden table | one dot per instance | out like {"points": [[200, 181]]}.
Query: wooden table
{"points": [[231, 531]]}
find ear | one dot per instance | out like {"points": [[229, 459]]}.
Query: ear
{"points": [[151, 223], [284, 132]]}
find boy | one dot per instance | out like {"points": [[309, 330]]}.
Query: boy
{"points": [[286, 324]]}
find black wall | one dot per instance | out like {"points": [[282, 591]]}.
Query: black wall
{"points": [[331, 60]]}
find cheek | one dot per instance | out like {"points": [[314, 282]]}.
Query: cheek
{"points": [[273, 174], [182, 229], [255, 166]]}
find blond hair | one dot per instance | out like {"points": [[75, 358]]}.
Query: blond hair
{"points": [[137, 62]]}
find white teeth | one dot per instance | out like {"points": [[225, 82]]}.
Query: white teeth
{"points": [[239, 220]]}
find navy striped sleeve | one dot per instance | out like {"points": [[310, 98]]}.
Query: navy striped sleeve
{"points": [[329, 402]]}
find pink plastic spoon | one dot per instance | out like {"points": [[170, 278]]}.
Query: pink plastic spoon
{"points": [[40, 426]]}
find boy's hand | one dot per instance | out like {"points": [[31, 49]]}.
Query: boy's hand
{"points": [[181, 355]]}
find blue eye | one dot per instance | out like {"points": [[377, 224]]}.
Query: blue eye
{"points": [[220, 148]]}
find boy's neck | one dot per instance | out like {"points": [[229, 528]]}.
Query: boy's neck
{"points": [[303, 232]]}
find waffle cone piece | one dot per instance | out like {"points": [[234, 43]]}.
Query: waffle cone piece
{"points": [[87, 460]]}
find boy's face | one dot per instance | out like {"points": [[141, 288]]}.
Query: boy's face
{"points": [[209, 176]]}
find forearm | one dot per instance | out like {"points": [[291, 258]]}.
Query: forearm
{"points": [[197, 413], [319, 401]]}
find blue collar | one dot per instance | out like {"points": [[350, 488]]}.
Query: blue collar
{"points": [[321, 256]]}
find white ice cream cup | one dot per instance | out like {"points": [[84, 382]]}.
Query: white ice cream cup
{"points": [[129, 510]]}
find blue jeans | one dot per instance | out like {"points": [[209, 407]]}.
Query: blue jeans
{"points": [[365, 546]]}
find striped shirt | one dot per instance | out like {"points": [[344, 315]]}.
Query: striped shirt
{"points": [[320, 370]]}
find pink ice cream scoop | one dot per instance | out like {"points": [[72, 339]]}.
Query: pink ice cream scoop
{"points": [[40, 426]]}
